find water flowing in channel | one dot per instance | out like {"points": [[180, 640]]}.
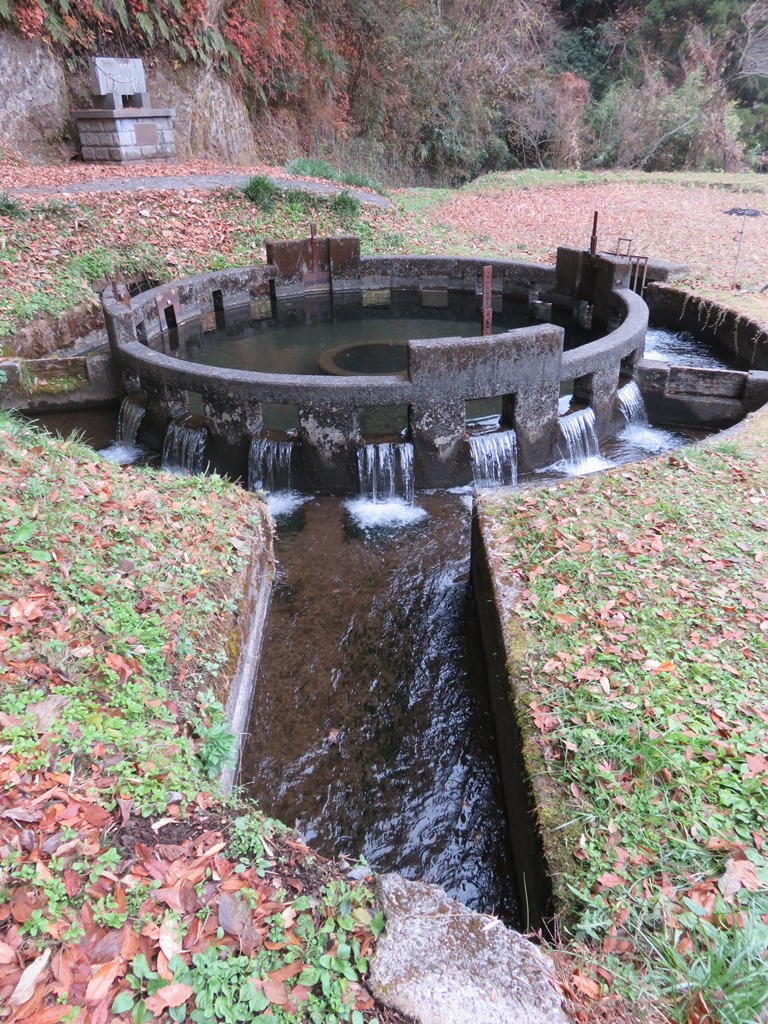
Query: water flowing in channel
{"points": [[385, 472], [184, 449], [371, 731], [269, 465], [494, 458], [128, 421], [580, 447]]}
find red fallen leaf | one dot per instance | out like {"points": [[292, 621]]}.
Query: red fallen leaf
{"points": [[739, 874], [698, 1011], [276, 992], [25, 610], [48, 1015], [756, 764], [169, 996], [611, 881], [118, 664], [22, 904], [7, 954], [586, 986], [289, 971], [234, 913], [101, 1013], [171, 897], [300, 994], [100, 983], [565, 618]]}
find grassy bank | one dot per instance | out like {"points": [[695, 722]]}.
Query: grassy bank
{"points": [[643, 690], [129, 888]]}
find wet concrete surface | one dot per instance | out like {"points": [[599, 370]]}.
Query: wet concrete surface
{"points": [[370, 729]]}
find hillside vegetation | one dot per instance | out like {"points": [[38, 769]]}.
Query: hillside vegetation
{"points": [[448, 88]]}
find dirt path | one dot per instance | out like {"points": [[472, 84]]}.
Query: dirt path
{"points": [[177, 182]]}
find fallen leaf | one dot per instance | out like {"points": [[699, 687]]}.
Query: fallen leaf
{"points": [[26, 985], [169, 996], [101, 982]]}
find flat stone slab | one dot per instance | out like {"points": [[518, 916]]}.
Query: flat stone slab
{"points": [[441, 963]]}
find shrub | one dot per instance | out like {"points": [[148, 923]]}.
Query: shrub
{"points": [[309, 167], [261, 191], [11, 208], [345, 206]]}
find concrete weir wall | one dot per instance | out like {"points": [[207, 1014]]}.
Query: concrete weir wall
{"points": [[524, 367]]}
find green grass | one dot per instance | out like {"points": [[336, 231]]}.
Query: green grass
{"points": [[117, 692], [309, 167], [119, 594], [645, 678], [539, 178]]}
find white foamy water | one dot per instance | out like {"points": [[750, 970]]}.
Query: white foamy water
{"points": [[122, 453], [582, 467], [283, 503], [371, 515], [650, 439]]}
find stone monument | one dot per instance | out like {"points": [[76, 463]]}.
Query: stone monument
{"points": [[124, 126]]}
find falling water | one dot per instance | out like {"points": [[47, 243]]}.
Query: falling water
{"points": [[129, 421], [184, 449], [638, 431], [632, 405], [385, 471], [269, 465], [580, 448], [494, 458]]}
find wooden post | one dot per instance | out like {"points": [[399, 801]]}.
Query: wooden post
{"points": [[487, 300]]}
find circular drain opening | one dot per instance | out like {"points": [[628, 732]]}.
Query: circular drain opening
{"points": [[366, 358]]}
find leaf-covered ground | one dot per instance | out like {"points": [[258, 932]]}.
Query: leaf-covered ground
{"points": [[129, 890], [643, 595], [53, 250]]}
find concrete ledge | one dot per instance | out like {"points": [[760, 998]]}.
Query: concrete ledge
{"points": [[251, 625]]}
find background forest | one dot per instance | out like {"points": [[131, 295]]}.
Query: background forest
{"points": [[441, 90]]}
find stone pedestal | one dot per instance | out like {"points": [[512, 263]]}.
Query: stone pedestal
{"points": [[119, 136]]}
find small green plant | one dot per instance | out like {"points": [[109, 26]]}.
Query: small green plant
{"points": [[261, 192], [10, 207], [725, 972], [311, 167], [345, 206]]}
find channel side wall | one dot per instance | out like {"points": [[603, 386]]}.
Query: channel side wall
{"points": [[534, 868], [523, 367]]}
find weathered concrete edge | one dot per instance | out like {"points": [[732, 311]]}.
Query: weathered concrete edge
{"points": [[250, 630], [543, 855]]}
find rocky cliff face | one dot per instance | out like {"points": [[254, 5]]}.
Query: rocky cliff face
{"points": [[35, 103], [38, 95]]}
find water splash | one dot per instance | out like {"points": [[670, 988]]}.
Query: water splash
{"points": [[373, 515], [638, 431], [269, 466], [128, 421], [580, 447], [184, 449], [494, 458], [385, 472], [632, 404], [123, 454]]}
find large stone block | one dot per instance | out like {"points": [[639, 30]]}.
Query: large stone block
{"points": [[440, 963], [120, 76]]}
